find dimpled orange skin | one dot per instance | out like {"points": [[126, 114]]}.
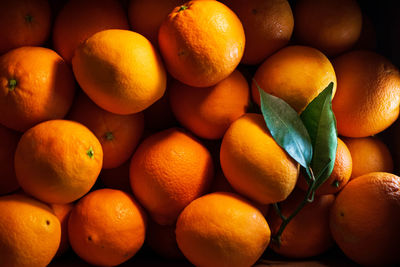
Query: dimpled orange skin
{"points": [[24, 22], [368, 94], [365, 219], [118, 134], [222, 229], [120, 71], [369, 154], [308, 234], [58, 161], [297, 74], [201, 42], [142, 23], [208, 112], [107, 227], [256, 167], [8, 144], [78, 20], [44, 89], [168, 170], [29, 232], [332, 26], [268, 26], [341, 173]]}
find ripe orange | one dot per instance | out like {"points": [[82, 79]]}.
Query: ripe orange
{"points": [[8, 144], [365, 219], [120, 71], [297, 74], [268, 26], [78, 20], [340, 175], [208, 112], [118, 134], [62, 211], [146, 16], [58, 161], [222, 229], [162, 239], [369, 154], [29, 232], [35, 85], [307, 234], [368, 93], [24, 23], [201, 42], [254, 164], [107, 227], [332, 26], [169, 170]]}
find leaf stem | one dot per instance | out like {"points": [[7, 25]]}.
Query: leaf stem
{"points": [[309, 197]]}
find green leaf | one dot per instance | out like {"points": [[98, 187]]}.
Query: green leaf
{"points": [[320, 122], [286, 127]]}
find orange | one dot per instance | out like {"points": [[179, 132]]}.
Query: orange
{"points": [[169, 170], [268, 26], [117, 178], [107, 227], [78, 20], [208, 112], [307, 234], [332, 26], [8, 144], [120, 71], [368, 93], [254, 164], [23, 23], [222, 229], [162, 239], [340, 175], [118, 134], [296, 74], [29, 232], [62, 211], [201, 42], [58, 161], [365, 219], [369, 154], [146, 16], [35, 85]]}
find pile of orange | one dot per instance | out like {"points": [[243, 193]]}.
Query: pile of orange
{"points": [[124, 123]]}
